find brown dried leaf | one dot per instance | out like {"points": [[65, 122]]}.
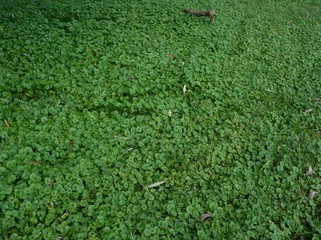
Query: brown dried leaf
{"points": [[171, 56], [205, 216], [51, 183]]}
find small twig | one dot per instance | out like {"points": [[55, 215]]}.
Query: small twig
{"points": [[209, 13]]}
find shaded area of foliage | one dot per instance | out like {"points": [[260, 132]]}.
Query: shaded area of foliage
{"points": [[94, 114]]}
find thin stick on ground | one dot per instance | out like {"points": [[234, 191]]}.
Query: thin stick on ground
{"points": [[209, 13]]}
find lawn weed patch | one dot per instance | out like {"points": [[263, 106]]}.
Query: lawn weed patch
{"points": [[132, 120]]}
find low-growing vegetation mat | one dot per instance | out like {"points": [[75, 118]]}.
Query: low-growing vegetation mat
{"points": [[133, 120]]}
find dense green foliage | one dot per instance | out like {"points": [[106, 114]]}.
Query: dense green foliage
{"points": [[93, 111]]}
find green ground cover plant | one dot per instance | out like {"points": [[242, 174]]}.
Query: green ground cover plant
{"points": [[131, 120]]}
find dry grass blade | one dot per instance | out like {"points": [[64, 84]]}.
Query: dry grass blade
{"points": [[310, 171], [205, 216], [157, 184], [184, 89], [34, 163], [309, 110], [312, 194], [128, 150], [6, 123]]}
